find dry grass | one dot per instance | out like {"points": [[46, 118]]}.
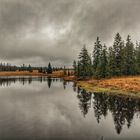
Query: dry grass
{"points": [[56, 74], [124, 85], [27, 73], [131, 84], [21, 73], [69, 78]]}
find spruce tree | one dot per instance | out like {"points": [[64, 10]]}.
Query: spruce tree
{"points": [[104, 63], [49, 69], [75, 67], [84, 64], [129, 62], [101, 70], [96, 55], [118, 52], [64, 71], [30, 68], [111, 62], [137, 52]]}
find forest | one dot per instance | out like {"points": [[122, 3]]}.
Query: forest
{"points": [[120, 59]]}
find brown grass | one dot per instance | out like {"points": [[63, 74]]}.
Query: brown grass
{"points": [[69, 78], [21, 73], [127, 84], [131, 84], [34, 73]]}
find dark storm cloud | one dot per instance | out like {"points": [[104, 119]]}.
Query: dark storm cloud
{"points": [[38, 31]]}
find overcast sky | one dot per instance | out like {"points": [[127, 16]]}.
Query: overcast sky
{"points": [[39, 31]]}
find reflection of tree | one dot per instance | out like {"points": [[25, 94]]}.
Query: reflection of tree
{"points": [[30, 80], [74, 86], [6, 81], [118, 114], [85, 101], [64, 84], [23, 80], [40, 79], [78, 90], [123, 109], [49, 82], [100, 106]]}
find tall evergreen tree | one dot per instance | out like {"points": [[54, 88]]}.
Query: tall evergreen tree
{"points": [[137, 52], [129, 56], [102, 71], [96, 55], [84, 64], [30, 68], [64, 71], [75, 67], [118, 47], [111, 62], [49, 69]]}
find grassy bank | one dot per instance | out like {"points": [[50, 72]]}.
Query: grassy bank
{"points": [[122, 85]]}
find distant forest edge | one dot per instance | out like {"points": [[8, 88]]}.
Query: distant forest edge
{"points": [[8, 67], [121, 59]]}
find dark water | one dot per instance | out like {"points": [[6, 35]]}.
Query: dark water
{"points": [[48, 109]]}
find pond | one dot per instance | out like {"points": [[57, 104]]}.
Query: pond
{"points": [[38, 108]]}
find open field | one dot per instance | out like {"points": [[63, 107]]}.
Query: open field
{"points": [[122, 85]]}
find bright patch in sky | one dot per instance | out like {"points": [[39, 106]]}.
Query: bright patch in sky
{"points": [[53, 32], [49, 32]]}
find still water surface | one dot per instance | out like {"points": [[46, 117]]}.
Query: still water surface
{"points": [[37, 108]]}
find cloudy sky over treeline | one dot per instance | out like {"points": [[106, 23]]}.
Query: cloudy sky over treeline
{"points": [[39, 31]]}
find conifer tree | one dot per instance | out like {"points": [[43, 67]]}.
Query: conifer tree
{"points": [[30, 68], [64, 71], [78, 69], [96, 55], [75, 67], [138, 59], [118, 52], [49, 69], [129, 58], [101, 70], [84, 64], [111, 62]]}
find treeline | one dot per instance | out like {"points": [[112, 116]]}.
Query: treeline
{"points": [[23, 67], [48, 69], [121, 59]]}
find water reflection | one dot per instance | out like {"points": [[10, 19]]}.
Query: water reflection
{"points": [[7, 81], [122, 109], [49, 80], [85, 101]]}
